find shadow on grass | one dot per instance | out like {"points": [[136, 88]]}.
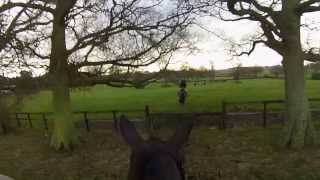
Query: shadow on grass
{"points": [[240, 153]]}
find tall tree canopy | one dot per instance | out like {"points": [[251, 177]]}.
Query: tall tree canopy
{"points": [[69, 36], [280, 27]]}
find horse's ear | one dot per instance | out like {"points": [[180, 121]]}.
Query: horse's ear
{"points": [[129, 133], [180, 137]]}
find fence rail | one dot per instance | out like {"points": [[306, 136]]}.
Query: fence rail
{"points": [[44, 116], [265, 104], [148, 115]]}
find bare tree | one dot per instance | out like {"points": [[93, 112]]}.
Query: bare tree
{"points": [[14, 22], [280, 27], [75, 34], [236, 71], [212, 70]]}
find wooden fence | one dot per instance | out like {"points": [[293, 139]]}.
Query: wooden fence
{"points": [[26, 116], [264, 103], [29, 117], [149, 116]]}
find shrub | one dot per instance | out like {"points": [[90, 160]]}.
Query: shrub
{"points": [[166, 85], [5, 109], [268, 76], [315, 76]]}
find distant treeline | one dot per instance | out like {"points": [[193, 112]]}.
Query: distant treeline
{"points": [[27, 83]]}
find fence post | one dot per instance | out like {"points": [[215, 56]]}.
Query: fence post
{"points": [[148, 119], [18, 120], [45, 121], [115, 121], [224, 115], [86, 120], [29, 119], [264, 114]]}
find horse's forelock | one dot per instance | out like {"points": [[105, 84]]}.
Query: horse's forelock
{"points": [[152, 154], [162, 167]]}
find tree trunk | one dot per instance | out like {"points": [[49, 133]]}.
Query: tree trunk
{"points": [[64, 132], [299, 127]]}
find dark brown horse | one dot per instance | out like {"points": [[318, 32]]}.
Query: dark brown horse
{"points": [[155, 159]]}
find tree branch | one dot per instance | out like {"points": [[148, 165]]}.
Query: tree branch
{"points": [[11, 5], [254, 44], [311, 56], [307, 7]]}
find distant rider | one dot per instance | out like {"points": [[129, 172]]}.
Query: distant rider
{"points": [[182, 93]]}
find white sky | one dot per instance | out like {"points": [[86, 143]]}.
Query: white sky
{"points": [[213, 48]]}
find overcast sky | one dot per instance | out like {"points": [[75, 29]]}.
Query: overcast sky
{"points": [[212, 48]]}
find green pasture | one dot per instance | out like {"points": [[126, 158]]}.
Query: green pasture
{"points": [[202, 98]]}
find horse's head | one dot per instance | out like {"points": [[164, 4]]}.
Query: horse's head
{"points": [[155, 159]]}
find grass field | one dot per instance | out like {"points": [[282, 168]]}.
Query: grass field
{"points": [[236, 153], [164, 99]]}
